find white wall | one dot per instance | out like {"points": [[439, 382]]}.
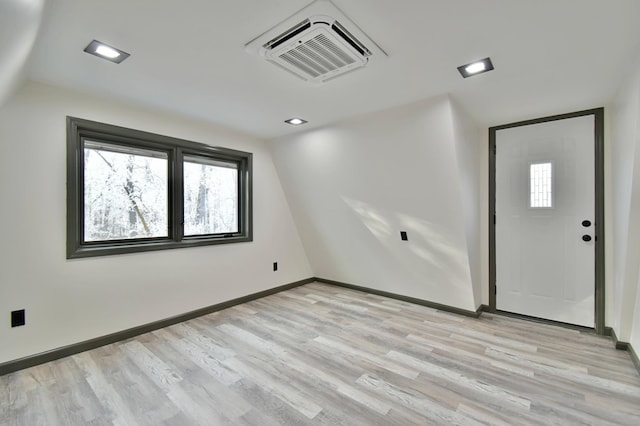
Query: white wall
{"points": [[625, 171], [68, 301], [484, 215], [635, 321], [609, 266], [19, 25], [467, 139], [354, 186]]}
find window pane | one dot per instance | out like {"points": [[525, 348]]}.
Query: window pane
{"points": [[210, 196], [125, 192], [541, 186]]}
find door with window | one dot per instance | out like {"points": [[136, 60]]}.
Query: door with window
{"points": [[545, 216]]}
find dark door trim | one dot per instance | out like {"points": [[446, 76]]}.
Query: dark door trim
{"points": [[598, 114]]}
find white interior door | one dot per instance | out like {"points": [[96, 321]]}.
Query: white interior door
{"points": [[545, 207]]}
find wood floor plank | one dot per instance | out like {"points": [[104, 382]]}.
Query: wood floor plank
{"points": [[325, 355], [114, 406], [282, 390], [416, 402], [471, 384]]}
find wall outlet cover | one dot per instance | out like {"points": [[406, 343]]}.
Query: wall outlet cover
{"points": [[18, 318]]}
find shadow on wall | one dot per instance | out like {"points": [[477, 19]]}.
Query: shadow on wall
{"points": [[439, 258]]}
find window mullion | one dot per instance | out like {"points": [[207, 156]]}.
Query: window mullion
{"points": [[246, 197], [241, 201], [177, 195]]}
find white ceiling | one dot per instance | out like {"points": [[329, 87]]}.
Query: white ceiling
{"points": [[188, 57]]}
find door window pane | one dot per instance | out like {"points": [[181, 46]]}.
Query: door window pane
{"points": [[210, 196], [541, 185], [125, 192]]}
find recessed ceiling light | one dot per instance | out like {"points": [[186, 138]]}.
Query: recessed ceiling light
{"points": [[475, 68], [295, 121], [107, 52]]}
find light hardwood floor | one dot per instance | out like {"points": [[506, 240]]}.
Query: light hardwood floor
{"points": [[320, 354]]}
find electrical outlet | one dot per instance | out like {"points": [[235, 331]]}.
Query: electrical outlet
{"points": [[275, 266], [17, 318], [403, 236]]}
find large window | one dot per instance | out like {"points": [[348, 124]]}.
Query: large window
{"points": [[130, 191]]}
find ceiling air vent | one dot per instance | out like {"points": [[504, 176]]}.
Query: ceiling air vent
{"points": [[317, 44]]}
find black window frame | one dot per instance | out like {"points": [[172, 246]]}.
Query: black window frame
{"points": [[79, 130]]}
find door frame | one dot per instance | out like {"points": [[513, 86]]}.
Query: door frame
{"points": [[598, 114]]}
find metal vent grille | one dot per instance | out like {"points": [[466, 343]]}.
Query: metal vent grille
{"points": [[288, 35], [318, 43], [317, 57]]}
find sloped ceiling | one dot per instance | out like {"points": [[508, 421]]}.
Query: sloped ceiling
{"points": [[187, 57], [19, 24]]}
